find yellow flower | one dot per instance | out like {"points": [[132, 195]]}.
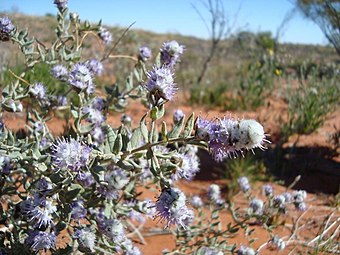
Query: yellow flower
{"points": [[278, 72]]}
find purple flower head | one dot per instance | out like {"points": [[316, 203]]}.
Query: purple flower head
{"points": [[210, 251], [112, 228], [61, 100], [144, 53], [136, 216], [171, 53], [40, 240], [196, 202], [244, 184], [95, 66], [6, 28], [178, 115], [78, 211], [60, 72], [256, 206], [80, 78], [116, 180], [38, 211], [301, 206], [105, 35], [39, 91], [5, 164], [70, 154], [244, 250], [171, 208], [228, 137], [279, 201], [94, 116], [187, 167], [43, 185], [98, 103], [86, 239], [161, 83], [61, 4], [86, 179], [299, 196], [147, 207], [98, 135], [278, 242], [214, 193], [268, 190]]}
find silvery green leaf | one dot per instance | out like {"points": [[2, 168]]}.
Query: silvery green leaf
{"points": [[84, 129], [73, 191], [118, 144], [164, 131], [176, 130], [126, 165], [189, 126], [111, 137], [41, 167], [136, 139], [153, 135], [144, 129]]}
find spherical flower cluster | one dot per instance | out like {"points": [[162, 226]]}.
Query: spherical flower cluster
{"points": [[70, 154], [161, 83], [214, 194], [178, 115], [112, 228], [94, 116], [38, 211], [78, 211], [256, 206], [6, 28], [80, 78], [144, 53], [278, 243], [210, 251], [171, 208], [40, 240], [61, 4], [116, 179], [95, 66], [268, 190], [86, 239], [171, 53], [105, 35], [38, 90], [61, 100], [196, 202], [98, 135], [5, 165], [244, 250], [243, 182], [59, 72], [187, 166], [227, 137], [298, 198]]}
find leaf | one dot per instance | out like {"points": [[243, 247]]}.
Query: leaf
{"points": [[189, 125], [144, 129], [136, 138], [164, 131], [118, 145], [111, 137], [176, 130], [73, 191]]}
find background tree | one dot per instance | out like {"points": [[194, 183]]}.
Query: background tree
{"points": [[326, 14], [219, 27]]}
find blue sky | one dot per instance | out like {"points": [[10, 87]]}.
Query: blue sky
{"points": [[178, 16]]}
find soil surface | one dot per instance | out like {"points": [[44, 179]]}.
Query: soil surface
{"points": [[314, 158]]}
